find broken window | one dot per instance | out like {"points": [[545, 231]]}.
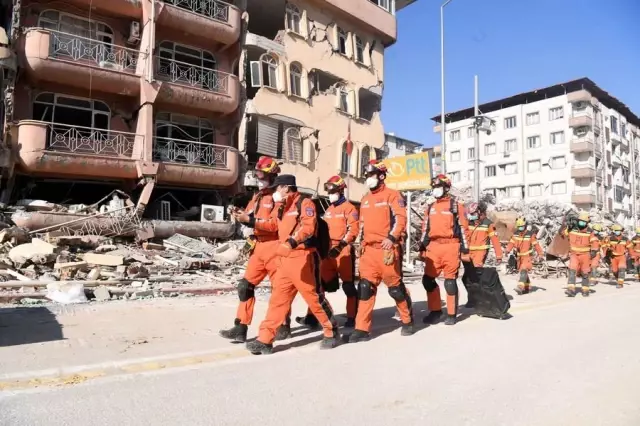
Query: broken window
{"points": [[295, 79], [293, 145], [183, 139], [323, 82], [359, 50], [265, 72], [343, 98], [345, 159], [294, 17], [365, 156], [369, 103], [342, 41]]}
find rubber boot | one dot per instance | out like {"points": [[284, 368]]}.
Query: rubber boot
{"points": [[237, 333], [571, 290], [359, 336], [258, 348], [585, 287], [521, 289], [284, 331], [351, 323], [432, 318], [309, 321], [450, 320], [330, 342], [407, 329]]}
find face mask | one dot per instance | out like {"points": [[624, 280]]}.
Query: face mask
{"points": [[262, 184], [520, 228], [473, 217], [438, 192], [582, 223], [372, 182], [277, 197], [334, 197]]}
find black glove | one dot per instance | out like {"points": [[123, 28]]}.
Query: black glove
{"points": [[594, 254], [335, 252]]}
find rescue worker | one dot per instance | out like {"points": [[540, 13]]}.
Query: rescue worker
{"points": [[583, 248], [383, 219], [525, 243], [342, 220], [481, 236], [296, 262], [444, 239], [599, 233], [634, 252], [261, 246], [617, 245]]}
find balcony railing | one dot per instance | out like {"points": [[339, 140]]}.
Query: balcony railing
{"points": [[85, 50], [192, 75], [210, 8], [190, 152], [90, 141]]}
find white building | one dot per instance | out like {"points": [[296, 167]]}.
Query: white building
{"points": [[395, 146], [572, 142]]}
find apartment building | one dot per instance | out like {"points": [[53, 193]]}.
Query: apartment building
{"points": [[313, 72], [395, 146], [571, 143]]}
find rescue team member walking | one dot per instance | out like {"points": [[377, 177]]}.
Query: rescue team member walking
{"points": [[634, 252], [599, 233], [261, 246], [617, 245], [444, 239], [583, 247], [342, 220], [297, 266], [382, 222], [524, 242]]}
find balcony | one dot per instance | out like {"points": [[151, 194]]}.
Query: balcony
{"points": [[65, 150], [128, 8], [583, 171], [196, 87], [579, 96], [214, 20], [583, 144], [583, 196], [195, 163], [581, 119], [81, 62]]}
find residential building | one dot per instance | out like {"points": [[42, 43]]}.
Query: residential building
{"points": [[395, 146], [436, 159], [314, 72], [571, 142]]}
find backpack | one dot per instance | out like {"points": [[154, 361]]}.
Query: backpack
{"points": [[321, 241]]}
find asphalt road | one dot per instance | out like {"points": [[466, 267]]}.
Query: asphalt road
{"points": [[570, 362]]}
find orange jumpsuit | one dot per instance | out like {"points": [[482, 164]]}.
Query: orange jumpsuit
{"points": [[583, 247], [634, 252], [618, 246], [595, 260], [481, 235], [382, 215], [260, 261], [524, 243], [343, 221], [444, 235], [296, 269]]}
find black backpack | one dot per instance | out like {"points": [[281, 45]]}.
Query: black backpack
{"points": [[321, 241]]}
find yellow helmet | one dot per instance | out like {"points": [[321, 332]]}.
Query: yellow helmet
{"points": [[521, 221], [638, 230], [597, 227], [616, 227], [584, 216]]}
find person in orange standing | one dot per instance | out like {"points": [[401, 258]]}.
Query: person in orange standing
{"points": [[634, 252], [583, 247], [297, 262], [617, 245], [524, 241], [342, 220], [382, 225], [444, 240], [596, 257], [260, 246]]}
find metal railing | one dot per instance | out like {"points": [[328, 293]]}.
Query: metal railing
{"points": [[90, 141], [210, 8], [190, 152], [83, 49], [191, 75]]}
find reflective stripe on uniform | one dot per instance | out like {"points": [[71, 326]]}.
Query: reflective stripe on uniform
{"points": [[581, 249], [528, 252], [476, 248]]}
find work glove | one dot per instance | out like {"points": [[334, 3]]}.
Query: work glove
{"points": [[388, 257], [249, 245], [335, 252]]}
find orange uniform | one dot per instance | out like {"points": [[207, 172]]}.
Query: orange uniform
{"points": [[444, 235], [634, 252], [618, 246], [595, 259], [524, 243], [481, 236], [583, 246], [382, 216], [296, 268]]}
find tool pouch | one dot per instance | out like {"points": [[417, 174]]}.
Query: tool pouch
{"points": [[388, 257], [250, 245]]}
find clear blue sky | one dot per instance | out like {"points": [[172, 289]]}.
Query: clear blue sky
{"points": [[513, 46]]}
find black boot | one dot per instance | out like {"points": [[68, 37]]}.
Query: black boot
{"points": [[330, 342], [432, 318], [450, 320], [309, 321], [351, 323], [283, 332], [571, 292], [237, 333], [258, 348], [407, 329], [359, 336]]}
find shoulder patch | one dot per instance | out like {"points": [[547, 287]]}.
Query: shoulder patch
{"points": [[401, 202], [355, 215], [310, 211]]}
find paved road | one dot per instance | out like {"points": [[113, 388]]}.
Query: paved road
{"points": [[569, 362]]}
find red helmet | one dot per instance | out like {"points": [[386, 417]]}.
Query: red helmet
{"points": [[335, 184], [441, 180], [473, 208], [375, 166], [266, 166]]}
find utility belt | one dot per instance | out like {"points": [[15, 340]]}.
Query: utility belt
{"points": [[445, 241]]}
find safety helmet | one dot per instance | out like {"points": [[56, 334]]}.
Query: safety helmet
{"points": [[616, 227], [266, 166], [597, 227], [638, 230], [473, 208], [375, 167], [521, 221], [441, 180], [334, 184], [584, 216]]}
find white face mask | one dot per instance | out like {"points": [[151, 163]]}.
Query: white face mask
{"points": [[438, 192], [372, 182], [277, 197], [334, 197], [262, 184]]}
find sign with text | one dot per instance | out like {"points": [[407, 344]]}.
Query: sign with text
{"points": [[409, 173]]}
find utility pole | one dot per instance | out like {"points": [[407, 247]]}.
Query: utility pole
{"points": [[443, 136], [476, 141]]}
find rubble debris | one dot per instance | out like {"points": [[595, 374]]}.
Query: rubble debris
{"points": [[103, 259], [32, 252], [101, 293], [66, 293]]}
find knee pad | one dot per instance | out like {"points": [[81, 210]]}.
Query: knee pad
{"points": [[365, 290], [451, 287], [246, 290], [429, 283], [398, 293], [349, 289]]}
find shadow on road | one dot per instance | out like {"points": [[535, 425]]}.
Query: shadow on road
{"points": [[21, 326]]}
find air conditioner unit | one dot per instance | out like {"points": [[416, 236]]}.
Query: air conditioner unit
{"points": [[210, 213], [250, 179], [134, 32]]}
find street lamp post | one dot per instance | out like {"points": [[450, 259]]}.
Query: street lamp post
{"points": [[442, 113]]}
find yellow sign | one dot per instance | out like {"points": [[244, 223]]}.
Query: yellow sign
{"points": [[409, 173]]}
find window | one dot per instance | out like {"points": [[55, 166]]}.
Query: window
{"points": [[618, 194], [623, 130], [455, 156], [455, 177], [514, 192], [92, 31], [295, 79], [345, 162], [510, 169], [342, 41], [558, 188], [471, 153], [343, 98], [265, 72], [294, 18], [365, 156], [533, 166], [533, 142], [187, 65], [510, 145], [558, 162], [292, 145], [359, 50], [454, 135], [470, 132], [369, 104], [470, 174], [490, 148], [556, 113], [385, 4], [510, 122], [614, 125], [556, 138], [489, 171], [183, 139], [535, 190], [533, 118]]}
